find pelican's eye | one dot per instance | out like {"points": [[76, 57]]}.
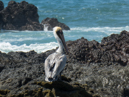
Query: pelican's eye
{"points": [[59, 32]]}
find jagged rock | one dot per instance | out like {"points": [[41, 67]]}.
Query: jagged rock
{"points": [[1, 5], [1, 8], [1, 22], [112, 49], [102, 66], [24, 16], [53, 89], [83, 51], [50, 23], [20, 16], [63, 89]]}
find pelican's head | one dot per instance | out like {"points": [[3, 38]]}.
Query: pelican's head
{"points": [[58, 33]]}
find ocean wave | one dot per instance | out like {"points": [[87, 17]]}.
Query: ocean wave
{"points": [[41, 41], [7, 47], [107, 30], [24, 36], [22, 39]]}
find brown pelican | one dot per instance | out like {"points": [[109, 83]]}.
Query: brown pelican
{"points": [[55, 62]]}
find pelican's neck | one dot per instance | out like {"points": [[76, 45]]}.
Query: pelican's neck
{"points": [[61, 47]]}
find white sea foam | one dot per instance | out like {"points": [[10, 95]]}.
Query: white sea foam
{"points": [[21, 39], [36, 40], [106, 30], [46, 27], [7, 47]]}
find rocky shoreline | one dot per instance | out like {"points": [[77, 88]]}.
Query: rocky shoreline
{"points": [[24, 16], [93, 69]]}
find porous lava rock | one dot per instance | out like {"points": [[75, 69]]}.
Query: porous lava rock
{"points": [[1, 22], [112, 49], [20, 16], [53, 89], [1, 5], [1, 8], [24, 16], [22, 74], [50, 23], [92, 68]]}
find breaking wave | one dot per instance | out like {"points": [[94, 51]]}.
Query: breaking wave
{"points": [[41, 41], [7, 47]]}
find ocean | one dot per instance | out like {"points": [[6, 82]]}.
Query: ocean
{"points": [[92, 20]]}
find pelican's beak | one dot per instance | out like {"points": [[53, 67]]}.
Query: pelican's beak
{"points": [[63, 41]]}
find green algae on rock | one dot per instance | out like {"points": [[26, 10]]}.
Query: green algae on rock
{"points": [[64, 89], [54, 89], [4, 92]]}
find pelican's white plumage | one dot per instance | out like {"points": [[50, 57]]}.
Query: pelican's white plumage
{"points": [[55, 62]]}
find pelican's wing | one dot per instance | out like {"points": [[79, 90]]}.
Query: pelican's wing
{"points": [[60, 62], [48, 65], [54, 64]]}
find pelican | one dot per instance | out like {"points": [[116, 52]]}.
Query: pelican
{"points": [[55, 62]]}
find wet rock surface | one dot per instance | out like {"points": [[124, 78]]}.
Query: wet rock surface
{"points": [[20, 16], [50, 23], [93, 69]]}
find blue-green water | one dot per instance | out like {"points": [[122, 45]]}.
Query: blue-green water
{"points": [[92, 19]]}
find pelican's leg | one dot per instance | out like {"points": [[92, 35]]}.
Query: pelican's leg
{"points": [[59, 76]]}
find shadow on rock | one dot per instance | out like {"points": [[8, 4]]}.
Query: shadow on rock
{"points": [[54, 89], [63, 89], [125, 92]]}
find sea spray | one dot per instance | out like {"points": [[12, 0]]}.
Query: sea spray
{"points": [[45, 27]]}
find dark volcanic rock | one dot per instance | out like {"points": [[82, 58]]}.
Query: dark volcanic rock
{"points": [[1, 8], [107, 81], [1, 5], [24, 16], [20, 71], [50, 23], [53, 89], [1, 22], [92, 68], [20, 16], [114, 48], [84, 51]]}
